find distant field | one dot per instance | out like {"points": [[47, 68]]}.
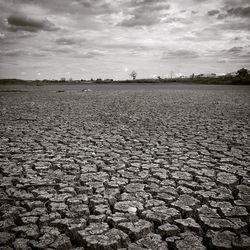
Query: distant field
{"points": [[92, 159]]}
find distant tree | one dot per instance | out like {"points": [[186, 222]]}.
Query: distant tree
{"points": [[242, 72], [133, 74]]}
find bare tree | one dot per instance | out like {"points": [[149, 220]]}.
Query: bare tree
{"points": [[133, 74]]}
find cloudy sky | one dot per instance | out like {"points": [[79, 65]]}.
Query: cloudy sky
{"points": [[110, 38]]}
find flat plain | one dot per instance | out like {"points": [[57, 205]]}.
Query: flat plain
{"points": [[124, 167]]}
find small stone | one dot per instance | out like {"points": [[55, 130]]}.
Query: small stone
{"points": [[165, 197], [21, 244], [61, 224], [45, 219], [189, 224], [227, 179], [189, 241], [6, 238], [74, 227], [6, 248], [218, 224], [61, 242], [179, 175], [220, 240], [243, 189], [120, 237], [137, 229], [152, 241], [239, 226], [134, 187], [154, 203], [117, 218], [30, 231], [102, 209], [7, 224], [207, 212], [132, 210], [102, 238], [186, 204], [171, 241], [243, 203], [92, 229], [167, 230], [236, 211], [241, 242], [161, 214], [29, 219], [77, 211], [124, 206]]}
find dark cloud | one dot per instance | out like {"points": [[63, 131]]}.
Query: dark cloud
{"points": [[88, 54], [70, 51], [239, 12], [96, 7], [140, 20], [213, 12], [235, 53], [22, 22], [22, 53], [148, 6], [237, 38], [68, 41], [235, 26], [182, 53], [13, 53], [58, 50], [91, 54], [233, 3], [235, 50], [175, 20], [145, 13], [229, 12]]}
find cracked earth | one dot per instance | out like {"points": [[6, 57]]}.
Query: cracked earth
{"points": [[125, 167]]}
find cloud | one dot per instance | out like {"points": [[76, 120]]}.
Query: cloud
{"points": [[88, 54], [140, 20], [22, 52], [229, 3], [213, 12], [95, 7], [2, 36], [239, 12], [22, 22], [13, 53], [68, 41], [181, 53], [235, 50], [72, 52], [156, 35], [58, 50], [236, 53], [234, 26], [91, 54], [145, 13]]}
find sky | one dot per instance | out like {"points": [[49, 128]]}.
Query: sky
{"points": [[83, 39]]}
